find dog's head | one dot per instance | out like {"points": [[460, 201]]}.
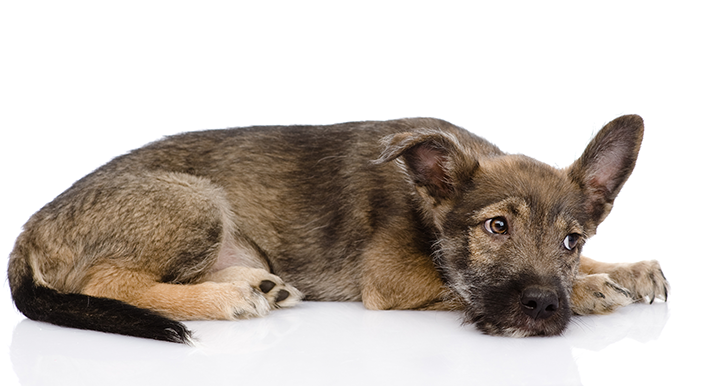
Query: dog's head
{"points": [[510, 228]]}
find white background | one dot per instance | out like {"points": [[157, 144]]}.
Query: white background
{"points": [[82, 82]]}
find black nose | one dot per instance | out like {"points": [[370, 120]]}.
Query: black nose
{"points": [[539, 303]]}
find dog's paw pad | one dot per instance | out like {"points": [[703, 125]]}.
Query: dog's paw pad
{"points": [[278, 293], [266, 286], [282, 295]]}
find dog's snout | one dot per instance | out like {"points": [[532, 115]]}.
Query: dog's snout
{"points": [[539, 303]]}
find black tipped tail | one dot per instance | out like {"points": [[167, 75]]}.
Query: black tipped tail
{"points": [[92, 313]]}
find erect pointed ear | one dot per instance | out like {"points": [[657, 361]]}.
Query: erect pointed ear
{"points": [[607, 163], [435, 161]]}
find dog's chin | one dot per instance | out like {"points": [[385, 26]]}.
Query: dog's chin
{"points": [[522, 328]]}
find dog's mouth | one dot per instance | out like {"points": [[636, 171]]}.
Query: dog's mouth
{"points": [[520, 309]]}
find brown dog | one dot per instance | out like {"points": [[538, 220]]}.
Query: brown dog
{"points": [[404, 214]]}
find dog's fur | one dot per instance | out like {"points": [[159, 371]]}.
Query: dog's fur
{"points": [[404, 214]]}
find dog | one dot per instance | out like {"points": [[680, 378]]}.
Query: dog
{"points": [[409, 214]]}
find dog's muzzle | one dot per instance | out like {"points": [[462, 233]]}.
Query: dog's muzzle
{"points": [[522, 306]]}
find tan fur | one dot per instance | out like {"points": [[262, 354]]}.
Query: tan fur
{"points": [[416, 284], [203, 301]]}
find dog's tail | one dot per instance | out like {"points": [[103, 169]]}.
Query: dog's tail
{"points": [[41, 303]]}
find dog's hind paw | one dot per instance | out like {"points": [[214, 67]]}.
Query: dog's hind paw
{"points": [[279, 294], [271, 287], [598, 294], [251, 304], [643, 279]]}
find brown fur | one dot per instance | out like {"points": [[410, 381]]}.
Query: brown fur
{"points": [[226, 224]]}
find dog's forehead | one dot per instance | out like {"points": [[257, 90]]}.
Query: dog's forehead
{"points": [[522, 173], [523, 183]]}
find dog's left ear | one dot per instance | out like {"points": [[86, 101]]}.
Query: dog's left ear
{"points": [[607, 163], [435, 162]]}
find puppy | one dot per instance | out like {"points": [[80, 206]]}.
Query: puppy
{"points": [[403, 214]]}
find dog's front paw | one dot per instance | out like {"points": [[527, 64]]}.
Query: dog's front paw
{"points": [[643, 279], [598, 294]]}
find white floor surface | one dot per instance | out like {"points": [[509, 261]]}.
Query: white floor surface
{"points": [[82, 82]]}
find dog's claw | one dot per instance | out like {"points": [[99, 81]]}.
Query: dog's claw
{"points": [[664, 287]]}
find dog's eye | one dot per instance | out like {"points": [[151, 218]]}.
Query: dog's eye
{"points": [[497, 225], [571, 241]]}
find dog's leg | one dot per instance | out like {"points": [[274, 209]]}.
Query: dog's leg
{"points": [[403, 279], [202, 301], [278, 293], [644, 280], [602, 287]]}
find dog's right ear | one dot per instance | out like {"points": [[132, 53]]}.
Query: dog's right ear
{"points": [[435, 162]]}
